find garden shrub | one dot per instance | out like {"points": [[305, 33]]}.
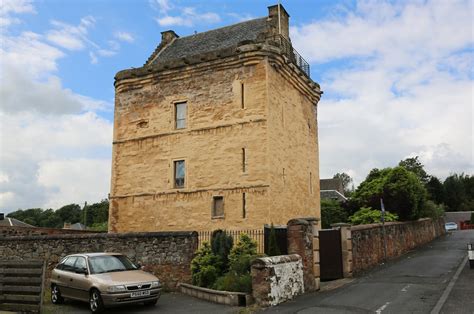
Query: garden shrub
{"points": [[221, 244], [205, 267], [242, 254], [233, 282], [367, 215]]}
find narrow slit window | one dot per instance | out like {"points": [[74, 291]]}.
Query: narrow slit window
{"points": [[180, 115], [244, 205], [242, 95], [244, 160], [311, 183], [218, 206], [179, 173]]}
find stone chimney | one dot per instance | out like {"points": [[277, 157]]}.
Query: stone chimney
{"points": [[283, 26], [167, 37]]}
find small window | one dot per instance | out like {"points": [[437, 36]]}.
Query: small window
{"points": [[179, 173], [180, 115], [310, 183], [218, 206], [244, 205]]}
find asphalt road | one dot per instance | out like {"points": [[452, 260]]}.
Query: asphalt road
{"points": [[418, 282]]}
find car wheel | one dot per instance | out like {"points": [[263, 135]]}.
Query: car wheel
{"points": [[150, 303], [95, 301], [56, 297]]}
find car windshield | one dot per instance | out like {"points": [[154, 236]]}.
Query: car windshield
{"points": [[110, 263]]}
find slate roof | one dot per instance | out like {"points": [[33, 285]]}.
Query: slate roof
{"points": [[212, 40]]}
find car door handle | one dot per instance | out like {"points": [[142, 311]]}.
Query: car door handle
{"points": [[70, 279]]}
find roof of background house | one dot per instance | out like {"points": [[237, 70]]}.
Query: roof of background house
{"points": [[216, 39], [457, 216], [332, 195], [12, 222], [331, 184]]}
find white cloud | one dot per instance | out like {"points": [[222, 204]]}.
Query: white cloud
{"points": [[8, 7], [124, 36], [186, 16], [56, 176], [398, 83], [54, 147], [71, 37]]}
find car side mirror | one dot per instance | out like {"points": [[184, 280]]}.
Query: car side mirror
{"points": [[81, 271]]}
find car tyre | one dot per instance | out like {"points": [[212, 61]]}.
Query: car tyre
{"points": [[56, 297], [150, 303], [96, 304]]}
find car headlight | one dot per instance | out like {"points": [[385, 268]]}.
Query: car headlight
{"points": [[113, 289], [155, 284]]}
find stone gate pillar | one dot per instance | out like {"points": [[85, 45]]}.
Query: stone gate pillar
{"points": [[303, 240], [346, 246]]}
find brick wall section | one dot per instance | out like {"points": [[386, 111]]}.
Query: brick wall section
{"points": [[300, 241], [367, 240], [13, 231], [166, 254]]}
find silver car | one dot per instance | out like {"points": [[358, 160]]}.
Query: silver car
{"points": [[103, 280]]}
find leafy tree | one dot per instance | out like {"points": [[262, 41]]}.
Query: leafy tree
{"points": [[432, 210], [455, 192], [346, 182], [400, 189], [273, 249], [435, 190], [367, 215], [332, 212], [50, 219], [71, 213], [414, 165], [96, 213]]}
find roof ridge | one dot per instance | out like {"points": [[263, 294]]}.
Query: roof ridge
{"points": [[221, 28]]}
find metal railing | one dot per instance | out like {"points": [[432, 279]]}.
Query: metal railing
{"points": [[290, 52], [256, 234]]}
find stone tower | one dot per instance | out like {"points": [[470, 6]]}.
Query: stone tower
{"points": [[216, 130]]}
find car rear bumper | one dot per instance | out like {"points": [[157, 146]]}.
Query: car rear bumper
{"points": [[113, 299]]}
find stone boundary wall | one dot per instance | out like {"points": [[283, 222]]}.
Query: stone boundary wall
{"points": [[166, 254], [367, 240], [277, 279], [12, 231]]}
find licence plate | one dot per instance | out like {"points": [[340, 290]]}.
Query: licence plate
{"points": [[139, 294]]}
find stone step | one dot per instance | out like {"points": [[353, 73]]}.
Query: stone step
{"points": [[19, 307], [21, 264], [27, 280], [7, 289], [23, 271], [19, 298]]}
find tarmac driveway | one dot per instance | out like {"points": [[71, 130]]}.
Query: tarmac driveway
{"points": [[168, 303]]}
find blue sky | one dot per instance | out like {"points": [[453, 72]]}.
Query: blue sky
{"points": [[397, 79]]}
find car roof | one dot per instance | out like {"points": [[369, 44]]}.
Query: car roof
{"points": [[95, 254]]}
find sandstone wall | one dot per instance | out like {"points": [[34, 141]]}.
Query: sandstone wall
{"points": [[367, 241], [293, 149], [143, 197], [166, 254]]}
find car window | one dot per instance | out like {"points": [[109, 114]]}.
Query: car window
{"points": [[110, 263], [68, 265], [80, 263]]}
